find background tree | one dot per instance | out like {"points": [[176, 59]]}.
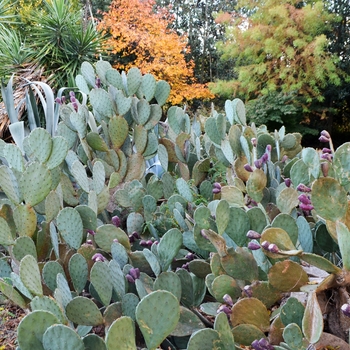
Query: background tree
{"points": [[141, 37], [282, 47], [197, 19]]}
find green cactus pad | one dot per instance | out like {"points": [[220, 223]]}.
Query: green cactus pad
{"points": [[129, 304], [292, 312], [287, 276], [245, 334], [188, 323], [88, 72], [32, 328], [112, 312], [70, 225], [105, 235], [225, 284], [93, 342], [117, 278], [153, 261], [255, 185], [240, 264], [52, 206], [288, 224], [30, 275], [9, 184], [299, 173], [169, 281], [46, 303], [193, 288], [11, 293], [140, 138], [35, 183], [279, 237], [5, 269], [343, 234], [6, 238], [250, 311], [118, 129], [79, 123], [148, 86], [100, 277], [305, 235], [258, 219], [40, 143], [119, 254], [65, 295], [205, 339], [152, 145], [212, 131], [162, 92], [238, 226], [222, 326], [168, 247], [287, 200], [18, 284], [312, 159], [54, 335], [267, 294], [83, 311], [81, 84], [78, 271], [101, 102], [312, 323], [293, 336], [200, 268], [135, 167], [156, 329], [154, 118], [134, 78], [50, 271], [121, 334], [24, 246], [114, 78], [25, 220], [329, 198], [14, 157], [341, 164]]}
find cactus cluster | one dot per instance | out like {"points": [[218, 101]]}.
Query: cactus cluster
{"points": [[166, 230]]}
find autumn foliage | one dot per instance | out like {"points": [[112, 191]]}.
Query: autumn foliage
{"points": [[140, 36]]}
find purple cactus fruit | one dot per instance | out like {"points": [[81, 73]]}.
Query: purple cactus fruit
{"points": [[134, 273], [258, 163], [345, 309], [303, 188], [73, 99], [136, 235], [116, 221], [149, 243], [91, 232], [284, 159], [288, 182], [189, 256], [323, 139], [129, 278], [326, 150], [132, 239], [306, 207], [71, 94], [75, 106], [327, 156], [58, 100], [255, 345], [303, 198], [253, 234], [325, 133], [227, 299], [186, 266], [115, 240], [325, 168], [63, 99], [268, 148], [217, 185], [264, 158], [254, 142], [273, 248], [98, 83], [143, 243], [89, 241], [253, 246], [248, 168], [225, 309], [216, 191], [248, 291], [98, 257], [265, 245]]}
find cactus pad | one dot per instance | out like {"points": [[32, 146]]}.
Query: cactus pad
{"points": [[121, 334], [55, 334]]}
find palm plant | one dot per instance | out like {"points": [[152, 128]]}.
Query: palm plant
{"points": [[61, 42]]}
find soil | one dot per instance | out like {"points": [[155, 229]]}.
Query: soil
{"points": [[10, 317]]}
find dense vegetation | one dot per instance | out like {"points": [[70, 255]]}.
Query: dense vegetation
{"points": [[129, 222]]}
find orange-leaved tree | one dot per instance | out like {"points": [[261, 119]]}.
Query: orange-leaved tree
{"points": [[139, 35]]}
